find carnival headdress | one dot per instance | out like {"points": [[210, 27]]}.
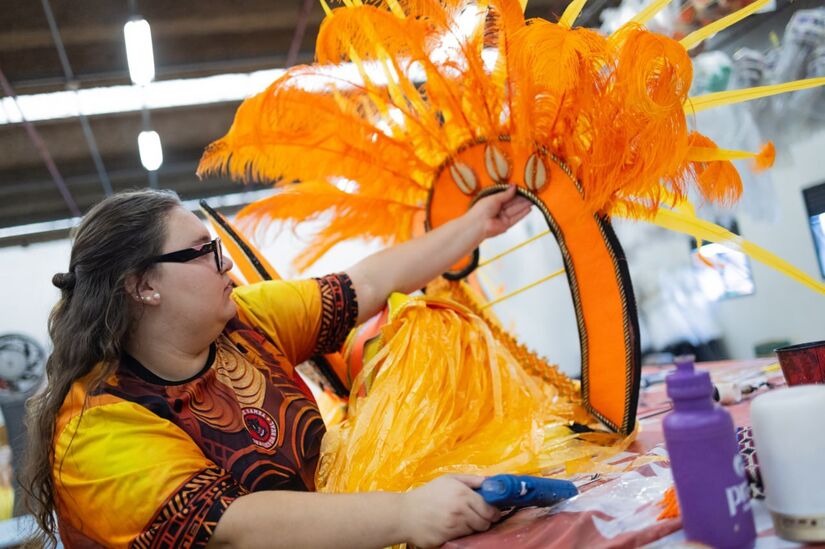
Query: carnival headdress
{"points": [[416, 108]]}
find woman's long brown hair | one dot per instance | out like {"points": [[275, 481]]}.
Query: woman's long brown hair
{"points": [[90, 324]]}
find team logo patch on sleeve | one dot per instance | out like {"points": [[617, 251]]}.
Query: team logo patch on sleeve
{"points": [[261, 427]]}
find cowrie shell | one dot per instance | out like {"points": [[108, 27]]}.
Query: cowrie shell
{"points": [[535, 173], [498, 167], [464, 177]]}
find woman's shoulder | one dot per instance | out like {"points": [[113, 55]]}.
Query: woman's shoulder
{"points": [[97, 426], [91, 400], [83, 397]]}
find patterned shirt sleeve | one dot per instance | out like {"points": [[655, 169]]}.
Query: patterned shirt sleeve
{"points": [[303, 317], [125, 477], [339, 312], [189, 517]]}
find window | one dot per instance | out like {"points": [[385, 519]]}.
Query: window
{"points": [[722, 272], [815, 204]]}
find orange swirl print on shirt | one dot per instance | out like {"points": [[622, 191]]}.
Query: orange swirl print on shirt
{"points": [[237, 383], [248, 382]]}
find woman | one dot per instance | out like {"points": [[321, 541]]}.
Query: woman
{"points": [[173, 415]]}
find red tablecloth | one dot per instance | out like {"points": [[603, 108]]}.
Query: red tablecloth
{"points": [[620, 509]]}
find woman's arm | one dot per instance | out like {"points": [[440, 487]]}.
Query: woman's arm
{"points": [[441, 510], [412, 264]]}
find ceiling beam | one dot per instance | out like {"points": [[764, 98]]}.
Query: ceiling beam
{"points": [[43, 151], [88, 134], [304, 15], [16, 39]]}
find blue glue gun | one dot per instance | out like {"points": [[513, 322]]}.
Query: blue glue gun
{"points": [[505, 491]]}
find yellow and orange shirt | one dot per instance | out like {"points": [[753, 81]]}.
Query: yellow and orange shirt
{"points": [[144, 462]]}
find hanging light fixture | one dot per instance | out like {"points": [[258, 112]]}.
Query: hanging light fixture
{"points": [[151, 152], [139, 54]]}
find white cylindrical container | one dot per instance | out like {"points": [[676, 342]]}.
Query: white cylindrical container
{"points": [[790, 448]]}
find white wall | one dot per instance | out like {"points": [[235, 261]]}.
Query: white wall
{"points": [[27, 294], [26, 291], [781, 308], [543, 317]]}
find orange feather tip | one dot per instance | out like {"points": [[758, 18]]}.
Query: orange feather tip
{"points": [[213, 159], [765, 158], [351, 217], [669, 504]]}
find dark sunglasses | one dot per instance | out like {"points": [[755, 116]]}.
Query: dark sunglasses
{"points": [[188, 254]]}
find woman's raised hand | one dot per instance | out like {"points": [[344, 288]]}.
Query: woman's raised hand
{"points": [[500, 211]]}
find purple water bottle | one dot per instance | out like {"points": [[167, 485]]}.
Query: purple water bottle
{"points": [[714, 497]]}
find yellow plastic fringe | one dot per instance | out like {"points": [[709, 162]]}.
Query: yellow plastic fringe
{"points": [[571, 13], [682, 222], [697, 37], [518, 246], [448, 398], [462, 293], [649, 12], [689, 210], [6, 502], [396, 9], [524, 288], [729, 97]]}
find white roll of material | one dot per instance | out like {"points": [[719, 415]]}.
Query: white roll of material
{"points": [[790, 447]]}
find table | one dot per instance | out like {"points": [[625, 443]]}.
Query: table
{"points": [[620, 510]]}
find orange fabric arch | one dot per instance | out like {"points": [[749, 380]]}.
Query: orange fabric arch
{"points": [[594, 261]]}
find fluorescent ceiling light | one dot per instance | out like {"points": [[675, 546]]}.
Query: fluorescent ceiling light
{"points": [[221, 201], [165, 94], [139, 53], [38, 228], [119, 99], [151, 153]]}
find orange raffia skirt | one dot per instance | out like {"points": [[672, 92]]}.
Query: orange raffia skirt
{"points": [[448, 395]]}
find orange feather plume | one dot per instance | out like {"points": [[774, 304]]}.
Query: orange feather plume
{"points": [[350, 214], [402, 87]]}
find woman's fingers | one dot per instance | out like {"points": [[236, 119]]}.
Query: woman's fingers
{"points": [[477, 506], [516, 211], [477, 523], [473, 481], [484, 509]]}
